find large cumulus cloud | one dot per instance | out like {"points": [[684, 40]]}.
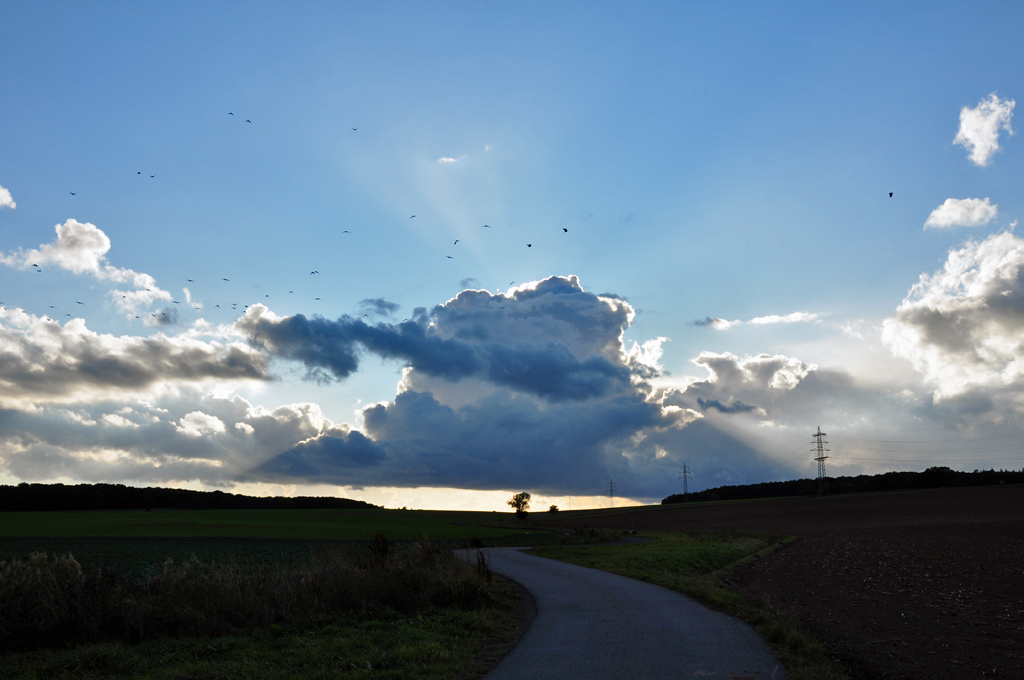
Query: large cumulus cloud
{"points": [[552, 339], [962, 327]]}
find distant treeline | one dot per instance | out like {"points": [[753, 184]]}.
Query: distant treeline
{"points": [[932, 478], [121, 497]]}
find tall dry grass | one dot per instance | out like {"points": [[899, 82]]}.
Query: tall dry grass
{"points": [[49, 600]]}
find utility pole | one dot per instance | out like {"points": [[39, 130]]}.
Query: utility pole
{"points": [[820, 454], [611, 493], [684, 474]]}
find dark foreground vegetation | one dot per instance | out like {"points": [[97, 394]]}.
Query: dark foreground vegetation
{"points": [[120, 497], [52, 600], [400, 611], [932, 478]]}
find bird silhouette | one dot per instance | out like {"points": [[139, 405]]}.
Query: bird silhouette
{"points": [[72, 193], [890, 194], [529, 245], [487, 226], [355, 128], [35, 265], [190, 280], [346, 232], [456, 241], [314, 272], [230, 114], [223, 279], [139, 172], [151, 176], [449, 257], [248, 121], [79, 303], [316, 298], [411, 216], [565, 230]]}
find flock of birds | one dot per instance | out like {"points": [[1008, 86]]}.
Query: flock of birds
{"points": [[234, 305]]}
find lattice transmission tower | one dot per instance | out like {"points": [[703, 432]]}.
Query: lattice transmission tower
{"points": [[684, 474], [820, 454], [611, 493]]}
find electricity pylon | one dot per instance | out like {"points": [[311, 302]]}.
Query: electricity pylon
{"points": [[684, 474], [820, 454]]}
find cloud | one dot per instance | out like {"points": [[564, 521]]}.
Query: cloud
{"points": [[961, 327], [81, 248], [446, 159], [716, 323], [42, 361], [379, 307], [6, 201], [550, 338], [469, 283], [979, 127], [962, 212], [197, 424], [724, 325], [795, 317], [736, 407]]}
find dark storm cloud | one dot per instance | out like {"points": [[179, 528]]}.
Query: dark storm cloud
{"points": [[554, 340], [736, 407], [379, 307]]}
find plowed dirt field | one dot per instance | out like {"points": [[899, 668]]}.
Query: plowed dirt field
{"points": [[916, 584]]}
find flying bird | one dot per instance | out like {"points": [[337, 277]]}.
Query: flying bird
{"points": [[449, 257], [35, 265], [355, 128], [72, 193], [890, 194], [346, 232], [247, 120], [230, 114], [139, 172], [223, 279], [487, 226], [190, 280], [314, 272], [151, 176], [565, 230], [79, 303], [529, 245], [456, 241], [316, 298], [411, 216]]}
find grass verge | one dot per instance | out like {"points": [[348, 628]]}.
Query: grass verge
{"points": [[697, 565]]}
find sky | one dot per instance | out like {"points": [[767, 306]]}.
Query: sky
{"points": [[430, 255]]}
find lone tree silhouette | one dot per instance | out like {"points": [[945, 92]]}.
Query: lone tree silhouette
{"points": [[520, 503]]}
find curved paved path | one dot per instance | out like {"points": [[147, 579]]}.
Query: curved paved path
{"points": [[594, 625]]}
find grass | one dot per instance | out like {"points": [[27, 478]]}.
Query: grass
{"points": [[696, 565]]}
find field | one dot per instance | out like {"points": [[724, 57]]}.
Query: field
{"points": [[919, 584]]}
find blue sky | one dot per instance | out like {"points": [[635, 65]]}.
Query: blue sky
{"points": [[682, 162]]}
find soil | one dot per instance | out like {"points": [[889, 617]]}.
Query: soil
{"points": [[917, 584]]}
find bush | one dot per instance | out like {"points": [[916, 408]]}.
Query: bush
{"points": [[53, 601]]}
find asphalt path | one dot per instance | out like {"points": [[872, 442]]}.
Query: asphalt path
{"points": [[594, 625]]}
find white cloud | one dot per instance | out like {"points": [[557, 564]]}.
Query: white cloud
{"points": [[197, 424], [724, 324], [962, 212], [979, 127], [446, 159], [42, 361], [82, 248], [795, 317], [961, 327], [6, 201]]}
